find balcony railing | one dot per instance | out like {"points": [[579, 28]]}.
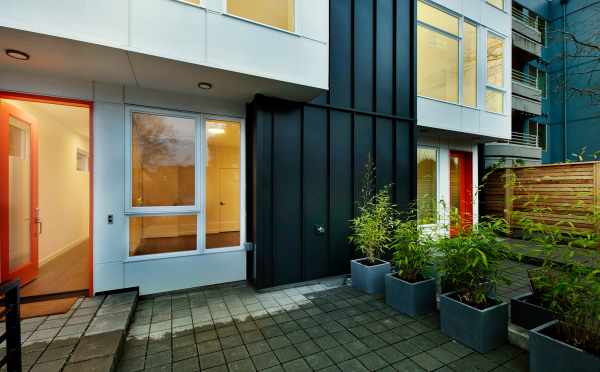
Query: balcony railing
{"points": [[522, 78], [10, 302], [528, 19], [523, 139]]}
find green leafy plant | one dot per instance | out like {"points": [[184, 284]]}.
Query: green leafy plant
{"points": [[372, 226], [413, 249], [471, 262]]}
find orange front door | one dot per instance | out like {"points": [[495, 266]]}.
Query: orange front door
{"points": [[461, 191], [19, 214]]}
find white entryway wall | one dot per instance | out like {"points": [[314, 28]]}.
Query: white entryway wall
{"points": [[111, 268]]}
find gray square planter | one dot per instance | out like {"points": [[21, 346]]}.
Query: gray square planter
{"points": [[410, 298], [482, 330], [526, 314], [547, 354], [370, 279]]}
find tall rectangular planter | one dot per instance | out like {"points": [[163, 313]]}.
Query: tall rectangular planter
{"points": [[410, 298], [547, 354], [528, 315], [482, 330], [370, 279]]}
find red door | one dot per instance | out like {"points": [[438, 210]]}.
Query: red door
{"points": [[461, 191], [18, 195]]}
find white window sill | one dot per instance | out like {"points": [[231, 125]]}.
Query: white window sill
{"points": [[190, 4], [293, 33], [166, 256]]}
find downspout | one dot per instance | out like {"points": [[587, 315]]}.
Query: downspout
{"points": [[564, 34]]}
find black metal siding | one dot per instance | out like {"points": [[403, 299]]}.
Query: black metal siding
{"points": [[307, 159]]}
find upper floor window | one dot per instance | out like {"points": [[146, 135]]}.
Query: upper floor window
{"points": [[276, 13], [470, 64], [439, 38], [494, 95], [437, 53], [497, 3]]}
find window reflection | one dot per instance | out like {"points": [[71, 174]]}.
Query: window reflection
{"points": [[426, 185], [162, 160], [162, 234]]}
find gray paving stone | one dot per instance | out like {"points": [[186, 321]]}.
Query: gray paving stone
{"points": [[132, 365], [211, 360], [187, 365], [92, 365], [97, 346], [244, 365], [352, 365], [319, 361], [53, 366], [287, 353], [298, 365], [265, 360]]}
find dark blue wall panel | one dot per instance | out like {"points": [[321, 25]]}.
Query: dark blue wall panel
{"points": [[307, 159]]}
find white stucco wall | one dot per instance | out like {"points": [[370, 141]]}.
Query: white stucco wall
{"points": [[203, 35]]}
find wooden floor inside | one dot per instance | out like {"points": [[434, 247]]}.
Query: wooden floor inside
{"points": [[65, 273]]}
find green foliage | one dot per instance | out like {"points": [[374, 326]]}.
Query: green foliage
{"points": [[471, 261], [413, 250], [371, 228]]}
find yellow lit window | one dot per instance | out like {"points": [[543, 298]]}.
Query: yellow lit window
{"points": [[276, 13], [470, 65]]}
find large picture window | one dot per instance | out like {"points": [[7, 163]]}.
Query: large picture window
{"points": [[437, 53], [276, 13], [426, 185], [184, 177], [494, 96]]}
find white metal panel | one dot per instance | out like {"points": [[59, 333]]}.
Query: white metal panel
{"points": [[250, 48], [168, 29], [104, 22], [154, 276], [109, 173], [312, 19], [108, 276]]}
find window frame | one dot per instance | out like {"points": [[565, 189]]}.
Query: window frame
{"points": [[199, 207], [459, 37], [293, 31], [437, 183], [488, 86], [496, 7]]}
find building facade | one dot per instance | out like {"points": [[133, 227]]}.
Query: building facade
{"points": [[555, 84], [227, 139]]}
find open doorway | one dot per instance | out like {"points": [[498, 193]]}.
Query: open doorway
{"points": [[45, 151]]}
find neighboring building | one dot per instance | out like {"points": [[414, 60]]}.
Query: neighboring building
{"points": [[228, 138], [553, 117]]}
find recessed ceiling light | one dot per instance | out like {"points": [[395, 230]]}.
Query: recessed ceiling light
{"points": [[17, 54], [204, 85]]}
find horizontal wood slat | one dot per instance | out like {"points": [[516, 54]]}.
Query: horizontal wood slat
{"points": [[569, 193]]}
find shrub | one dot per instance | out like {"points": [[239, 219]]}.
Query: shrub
{"points": [[372, 226], [413, 250], [471, 262]]}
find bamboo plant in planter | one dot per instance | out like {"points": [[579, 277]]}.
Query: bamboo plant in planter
{"points": [[408, 289], [572, 342], [371, 237], [470, 268]]}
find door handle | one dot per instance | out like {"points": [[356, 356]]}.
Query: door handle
{"points": [[38, 222], [222, 203]]}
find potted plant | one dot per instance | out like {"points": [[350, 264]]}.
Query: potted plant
{"points": [[409, 289], [371, 237], [572, 341], [470, 268]]}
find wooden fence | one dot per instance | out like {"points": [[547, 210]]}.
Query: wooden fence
{"points": [[565, 195]]}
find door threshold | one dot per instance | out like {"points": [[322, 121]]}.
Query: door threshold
{"points": [[54, 296]]}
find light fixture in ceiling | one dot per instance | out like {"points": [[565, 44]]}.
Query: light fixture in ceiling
{"points": [[216, 130], [17, 54], [204, 85]]}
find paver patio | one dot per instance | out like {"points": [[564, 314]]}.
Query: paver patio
{"points": [[328, 326]]}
